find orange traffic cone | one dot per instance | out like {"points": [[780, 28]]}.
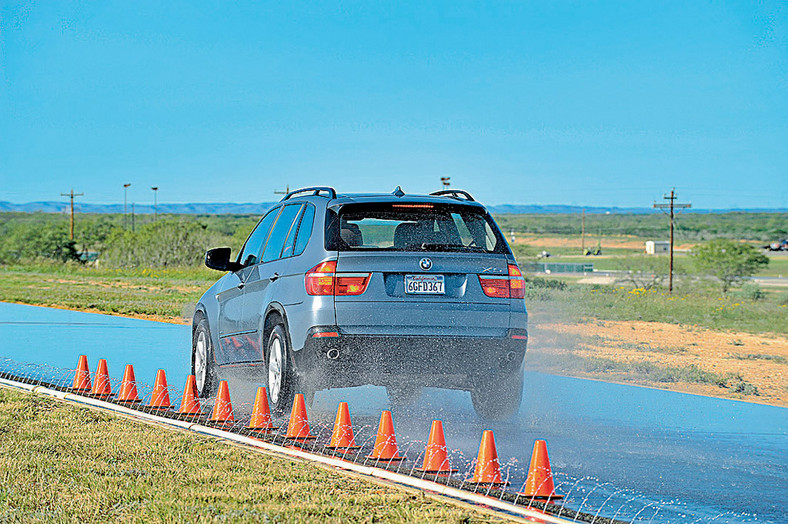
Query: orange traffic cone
{"points": [[128, 388], [488, 470], [539, 484], [190, 405], [298, 427], [436, 459], [261, 414], [160, 399], [386, 443], [101, 386], [342, 436], [82, 376], [222, 414]]}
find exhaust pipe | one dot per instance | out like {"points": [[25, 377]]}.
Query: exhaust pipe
{"points": [[332, 354]]}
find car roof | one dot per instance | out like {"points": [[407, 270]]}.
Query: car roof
{"points": [[371, 198], [337, 200]]}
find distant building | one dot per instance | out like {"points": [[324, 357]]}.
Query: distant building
{"points": [[657, 247]]}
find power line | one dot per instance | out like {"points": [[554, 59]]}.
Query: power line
{"points": [[672, 205], [71, 195]]}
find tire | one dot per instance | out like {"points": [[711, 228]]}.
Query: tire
{"points": [[399, 395], [203, 367], [498, 398], [281, 378]]}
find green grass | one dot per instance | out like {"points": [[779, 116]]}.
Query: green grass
{"points": [[63, 463], [690, 304], [778, 266], [165, 292]]}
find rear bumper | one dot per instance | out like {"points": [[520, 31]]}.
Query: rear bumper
{"points": [[447, 362]]}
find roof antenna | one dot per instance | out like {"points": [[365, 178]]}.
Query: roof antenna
{"points": [[398, 192]]}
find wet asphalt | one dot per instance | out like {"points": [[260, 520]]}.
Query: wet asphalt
{"points": [[639, 454]]}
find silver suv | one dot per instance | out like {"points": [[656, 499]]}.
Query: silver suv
{"points": [[337, 290]]}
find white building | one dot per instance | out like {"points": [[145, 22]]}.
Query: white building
{"points": [[657, 247]]}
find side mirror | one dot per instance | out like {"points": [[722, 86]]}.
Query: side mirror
{"points": [[219, 259]]}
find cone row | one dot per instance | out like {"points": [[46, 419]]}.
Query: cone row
{"points": [[539, 484]]}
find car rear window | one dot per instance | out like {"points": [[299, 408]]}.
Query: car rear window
{"points": [[413, 227]]}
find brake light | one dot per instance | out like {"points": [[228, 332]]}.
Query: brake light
{"points": [[351, 283], [320, 279], [512, 286], [324, 280], [496, 287], [516, 282]]}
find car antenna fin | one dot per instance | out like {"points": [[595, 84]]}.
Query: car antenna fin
{"points": [[398, 192]]}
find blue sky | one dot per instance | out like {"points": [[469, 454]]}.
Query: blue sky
{"points": [[582, 102]]}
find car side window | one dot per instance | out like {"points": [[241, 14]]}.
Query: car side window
{"points": [[256, 240], [276, 241], [304, 230], [287, 251]]}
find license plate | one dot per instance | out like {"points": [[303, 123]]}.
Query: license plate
{"points": [[424, 284]]}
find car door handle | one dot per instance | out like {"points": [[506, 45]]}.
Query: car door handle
{"points": [[273, 277]]}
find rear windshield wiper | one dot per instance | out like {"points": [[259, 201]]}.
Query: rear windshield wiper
{"points": [[450, 247]]}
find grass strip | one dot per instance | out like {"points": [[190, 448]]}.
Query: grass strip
{"points": [[64, 463], [172, 293]]}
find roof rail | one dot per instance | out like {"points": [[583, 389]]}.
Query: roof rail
{"points": [[314, 190], [454, 193]]}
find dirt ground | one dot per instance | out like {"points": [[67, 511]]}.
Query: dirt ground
{"points": [[758, 360]]}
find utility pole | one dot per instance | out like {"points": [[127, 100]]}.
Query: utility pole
{"points": [[445, 180], [583, 235], [72, 195], [132, 217], [672, 205], [125, 200], [286, 191], [155, 203]]}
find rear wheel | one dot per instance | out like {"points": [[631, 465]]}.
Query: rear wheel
{"points": [[280, 374], [498, 398], [202, 359]]}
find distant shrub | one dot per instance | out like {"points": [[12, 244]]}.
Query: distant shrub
{"points": [[162, 243], [30, 242], [751, 291], [727, 260], [545, 283]]}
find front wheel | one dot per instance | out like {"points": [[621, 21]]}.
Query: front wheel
{"points": [[202, 359], [280, 375], [498, 398]]}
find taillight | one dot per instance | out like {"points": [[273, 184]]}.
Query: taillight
{"points": [[351, 283], [324, 280], [516, 282], [512, 286], [496, 287], [320, 279]]}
